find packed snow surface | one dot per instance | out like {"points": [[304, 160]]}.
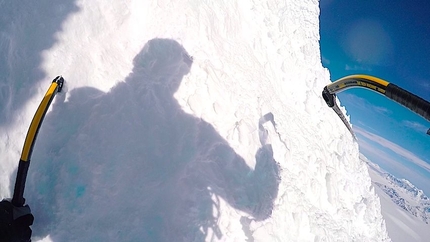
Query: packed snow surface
{"points": [[183, 121]]}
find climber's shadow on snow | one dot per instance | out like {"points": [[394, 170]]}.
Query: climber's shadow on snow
{"points": [[131, 165]]}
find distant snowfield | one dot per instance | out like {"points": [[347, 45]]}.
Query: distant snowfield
{"points": [[401, 225], [187, 121]]}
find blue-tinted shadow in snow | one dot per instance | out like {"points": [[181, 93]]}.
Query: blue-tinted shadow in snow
{"points": [[131, 165], [27, 28]]}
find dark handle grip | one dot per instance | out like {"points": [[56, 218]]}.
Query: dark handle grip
{"points": [[409, 100], [18, 193]]}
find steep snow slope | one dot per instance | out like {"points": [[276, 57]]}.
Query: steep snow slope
{"points": [[164, 136]]}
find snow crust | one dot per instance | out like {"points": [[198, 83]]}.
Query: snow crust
{"points": [[186, 121]]}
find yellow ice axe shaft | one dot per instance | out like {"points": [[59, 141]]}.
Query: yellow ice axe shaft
{"points": [[24, 162], [390, 90]]}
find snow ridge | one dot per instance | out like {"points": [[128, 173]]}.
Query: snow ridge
{"points": [[407, 196], [404, 207], [402, 192], [407, 187]]}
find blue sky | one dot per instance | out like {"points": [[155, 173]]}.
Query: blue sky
{"points": [[389, 39]]}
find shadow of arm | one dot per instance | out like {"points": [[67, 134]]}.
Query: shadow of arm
{"points": [[252, 191]]}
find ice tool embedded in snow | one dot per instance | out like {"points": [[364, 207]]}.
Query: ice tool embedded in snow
{"points": [[330, 99], [390, 90]]}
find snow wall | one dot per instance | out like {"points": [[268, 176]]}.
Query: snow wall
{"points": [[183, 121]]}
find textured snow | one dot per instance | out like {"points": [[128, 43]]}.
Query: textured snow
{"points": [[183, 121]]}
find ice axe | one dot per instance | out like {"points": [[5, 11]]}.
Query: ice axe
{"points": [[15, 217], [24, 162], [409, 100]]}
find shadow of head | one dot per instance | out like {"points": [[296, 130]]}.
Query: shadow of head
{"points": [[162, 62]]}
